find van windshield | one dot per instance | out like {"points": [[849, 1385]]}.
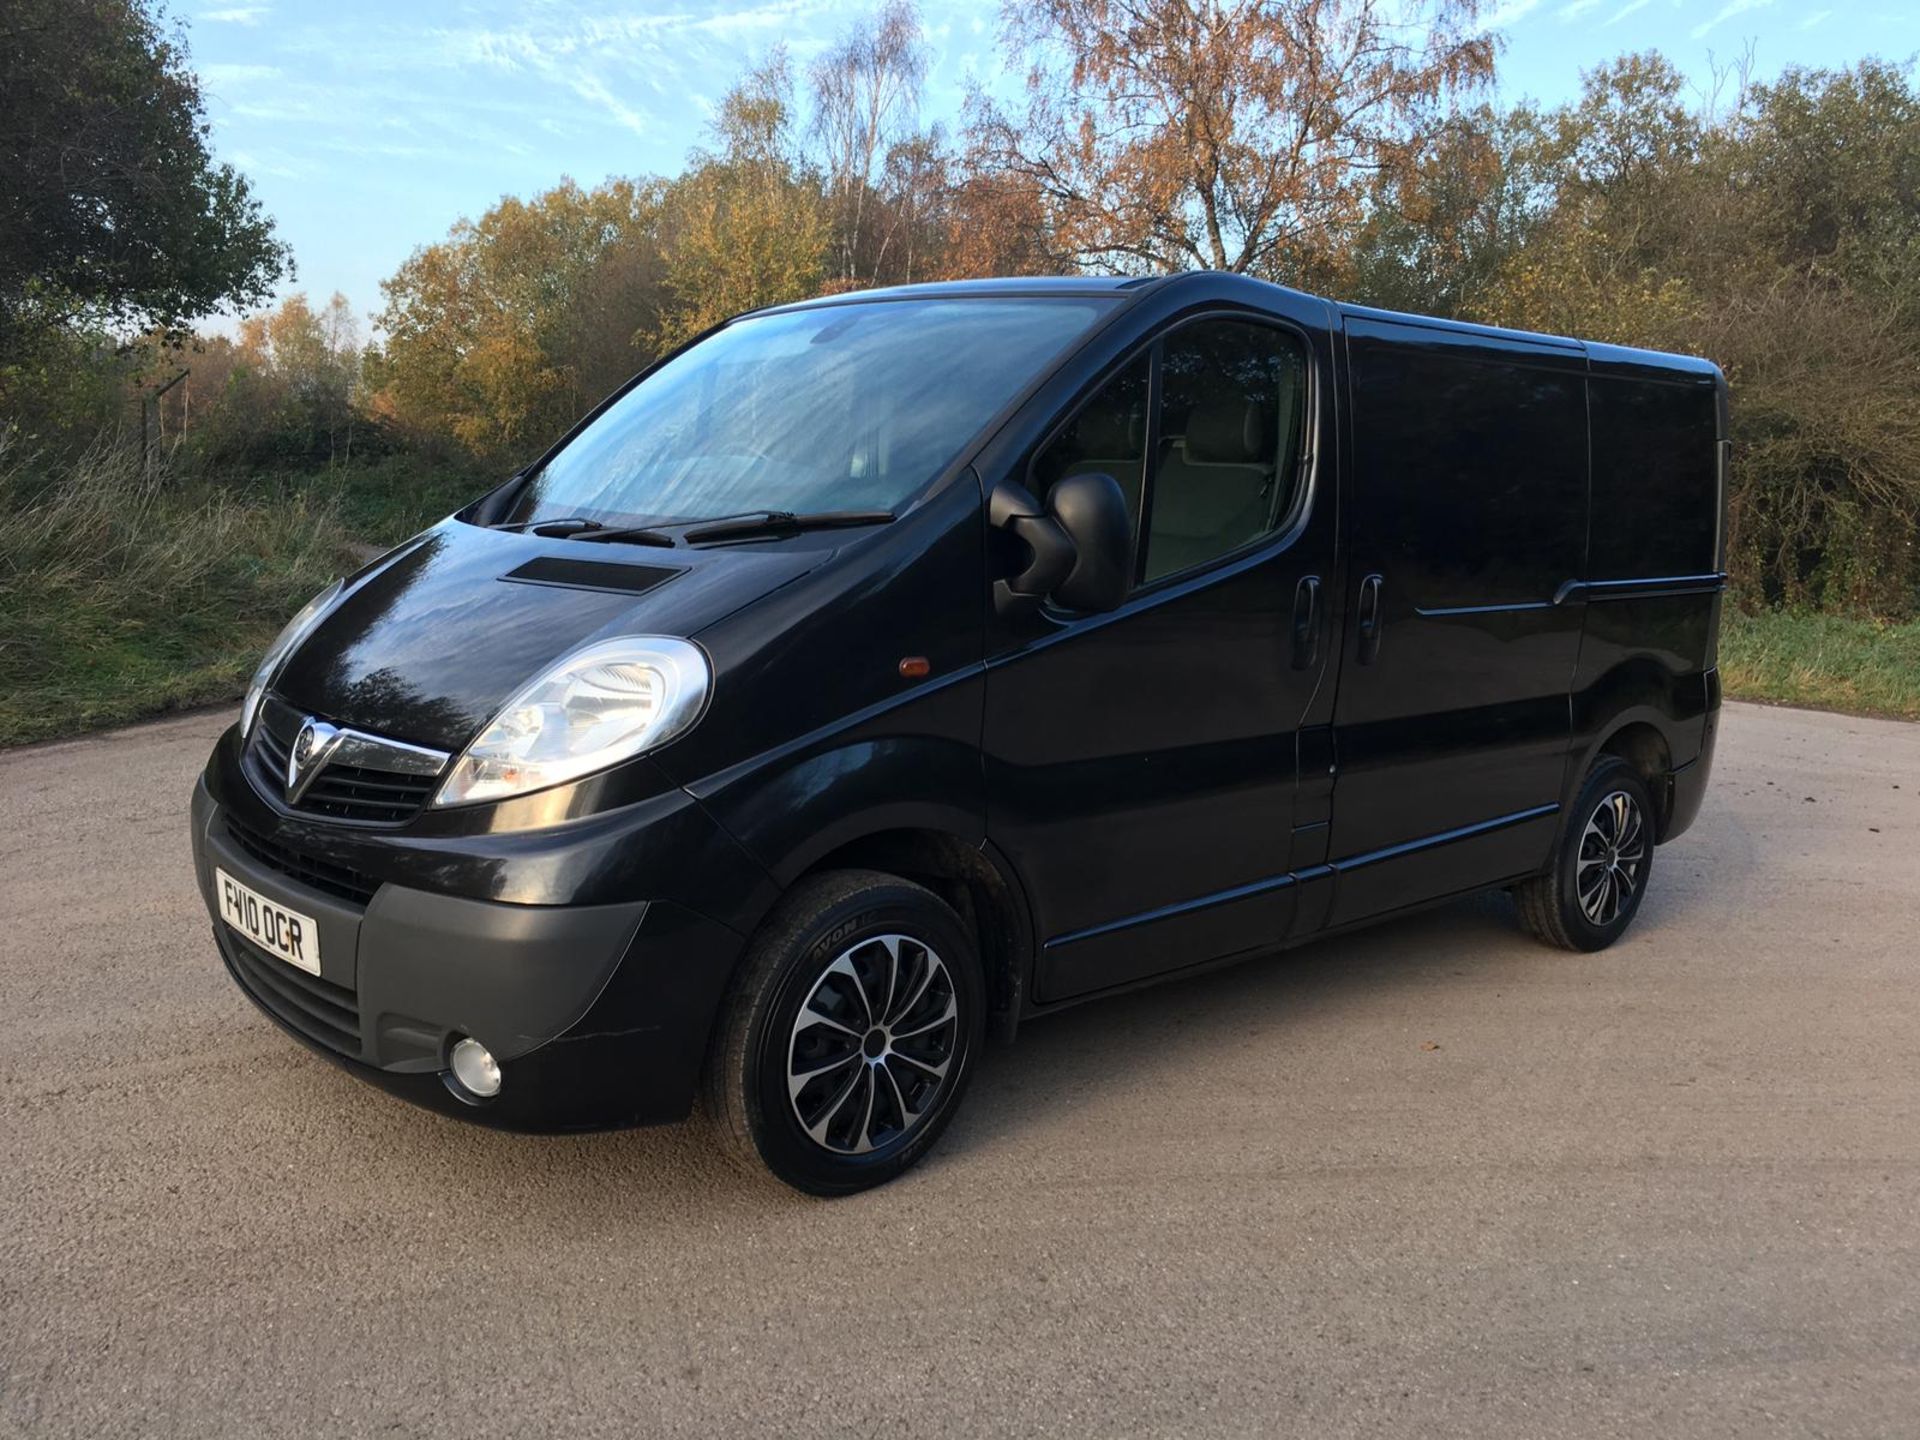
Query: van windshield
{"points": [[845, 407]]}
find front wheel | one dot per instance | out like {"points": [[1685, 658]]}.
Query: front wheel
{"points": [[848, 1037], [1600, 871]]}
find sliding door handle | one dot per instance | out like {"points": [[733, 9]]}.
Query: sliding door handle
{"points": [[1371, 619], [1306, 622]]}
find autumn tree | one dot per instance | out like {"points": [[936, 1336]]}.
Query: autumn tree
{"points": [[1615, 181], [917, 202], [501, 335], [285, 387], [1813, 184], [1833, 158], [745, 226], [994, 224], [865, 91], [1440, 227], [1178, 134]]}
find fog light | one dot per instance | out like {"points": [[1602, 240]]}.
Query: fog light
{"points": [[475, 1068]]}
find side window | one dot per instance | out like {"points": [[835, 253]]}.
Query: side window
{"points": [[1473, 468], [1228, 445], [1108, 436]]}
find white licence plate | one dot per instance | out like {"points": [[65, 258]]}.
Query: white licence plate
{"points": [[287, 933]]}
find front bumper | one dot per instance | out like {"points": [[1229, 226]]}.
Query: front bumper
{"points": [[599, 1014]]}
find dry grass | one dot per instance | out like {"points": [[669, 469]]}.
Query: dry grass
{"points": [[124, 594]]}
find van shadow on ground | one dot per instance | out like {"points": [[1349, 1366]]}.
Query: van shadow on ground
{"points": [[1161, 1040], [1171, 1032]]}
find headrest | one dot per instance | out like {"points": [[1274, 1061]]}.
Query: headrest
{"points": [[1228, 432], [1105, 433]]}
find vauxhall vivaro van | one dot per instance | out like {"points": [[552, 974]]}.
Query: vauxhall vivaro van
{"points": [[878, 673]]}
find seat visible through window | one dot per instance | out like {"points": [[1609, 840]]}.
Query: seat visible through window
{"points": [[1230, 439], [1213, 491], [1226, 443]]}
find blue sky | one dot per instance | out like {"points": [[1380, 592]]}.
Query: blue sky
{"points": [[370, 126]]}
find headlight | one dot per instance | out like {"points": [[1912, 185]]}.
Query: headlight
{"points": [[599, 706], [282, 644]]}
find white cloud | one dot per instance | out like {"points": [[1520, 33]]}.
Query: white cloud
{"points": [[604, 58], [1570, 13], [753, 21], [221, 74], [1625, 10], [254, 165], [1727, 12], [1508, 11], [235, 15], [595, 92], [298, 110], [1812, 20]]}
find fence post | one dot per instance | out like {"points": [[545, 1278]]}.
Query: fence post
{"points": [[153, 398]]}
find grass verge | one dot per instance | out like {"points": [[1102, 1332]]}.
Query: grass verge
{"points": [[124, 595], [1828, 662]]}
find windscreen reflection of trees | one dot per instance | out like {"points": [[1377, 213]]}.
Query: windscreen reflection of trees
{"points": [[847, 408]]}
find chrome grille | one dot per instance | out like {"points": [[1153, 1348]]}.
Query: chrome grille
{"points": [[361, 787]]}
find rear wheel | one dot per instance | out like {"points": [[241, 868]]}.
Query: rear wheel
{"points": [[1600, 871], [852, 1026]]}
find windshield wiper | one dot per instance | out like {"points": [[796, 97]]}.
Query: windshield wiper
{"points": [[783, 522], [559, 526], [576, 527], [625, 535]]}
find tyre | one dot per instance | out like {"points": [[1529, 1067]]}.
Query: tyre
{"points": [[1601, 868], [849, 1035]]}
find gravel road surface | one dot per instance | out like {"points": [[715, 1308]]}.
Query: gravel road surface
{"points": [[1427, 1180]]}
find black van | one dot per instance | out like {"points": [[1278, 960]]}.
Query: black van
{"points": [[880, 672]]}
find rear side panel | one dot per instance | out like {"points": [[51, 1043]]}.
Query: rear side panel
{"points": [[1652, 587]]}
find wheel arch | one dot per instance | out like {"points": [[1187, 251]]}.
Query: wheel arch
{"points": [[971, 877], [1642, 737]]}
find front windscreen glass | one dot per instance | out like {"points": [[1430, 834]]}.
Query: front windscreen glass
{"points": [[845, 407]]}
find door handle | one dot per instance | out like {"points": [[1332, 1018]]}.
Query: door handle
{"points": [[1306, 622], [1371, 619]]}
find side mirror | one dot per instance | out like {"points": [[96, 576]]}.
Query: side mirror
{"points": [[1093, 511], [1078, 544]]}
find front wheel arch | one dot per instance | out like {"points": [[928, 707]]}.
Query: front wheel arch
{"points": [[981, 886]]}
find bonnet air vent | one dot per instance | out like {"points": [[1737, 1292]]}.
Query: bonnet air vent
{"points": [[591, 574]]}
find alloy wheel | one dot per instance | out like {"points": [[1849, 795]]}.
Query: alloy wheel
{"points": [[872, 1046], [1613, 852]]}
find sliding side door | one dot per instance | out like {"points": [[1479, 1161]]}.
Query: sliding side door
{"points": [[1468, 505]]}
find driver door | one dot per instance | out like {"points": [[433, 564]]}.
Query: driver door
{"points": [[1142, 764]]}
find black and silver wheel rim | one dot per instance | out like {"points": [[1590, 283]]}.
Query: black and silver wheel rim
{"points": [[1613, 856], [873, 1045]]}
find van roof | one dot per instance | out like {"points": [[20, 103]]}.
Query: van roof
{"points": [[1601, 357], [1619, 359], [1006, 285]]}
